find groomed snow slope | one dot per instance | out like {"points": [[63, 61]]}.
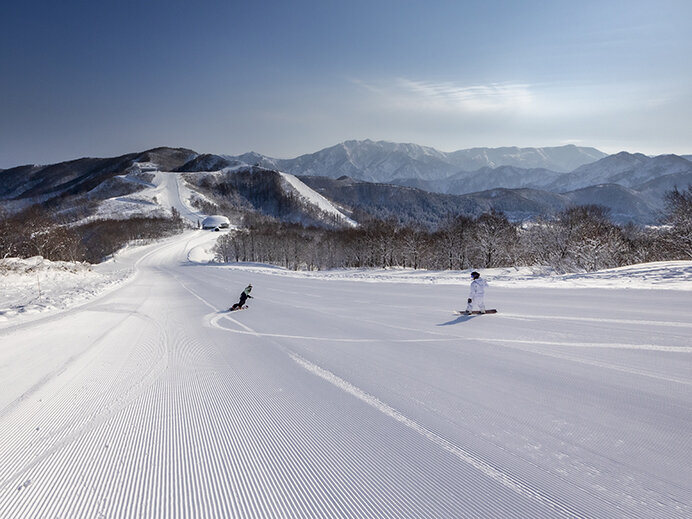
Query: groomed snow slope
{"points": [[334, 398], [314, 198], [166, 190]]}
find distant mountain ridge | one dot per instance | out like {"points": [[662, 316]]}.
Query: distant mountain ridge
{"points": [[626, 169], [412, 205], [562, 158], [631, 185], [81, 175], [383, 161]]}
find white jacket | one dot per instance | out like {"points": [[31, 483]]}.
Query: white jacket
{"points": [[478, 288]]}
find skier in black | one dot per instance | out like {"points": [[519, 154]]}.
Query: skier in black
{"points": [[243, 297]]}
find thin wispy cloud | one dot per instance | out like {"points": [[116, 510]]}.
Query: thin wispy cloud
{"points": [[474, 98], [450, 96]]}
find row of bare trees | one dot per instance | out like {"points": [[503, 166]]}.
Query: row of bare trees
{"points": [[38, 232], [577, 239], [580, 238]]}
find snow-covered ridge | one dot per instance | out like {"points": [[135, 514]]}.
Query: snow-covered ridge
{"points": [[160, 191], [314, 198]]}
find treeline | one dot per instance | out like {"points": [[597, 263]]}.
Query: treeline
{"points": [[578, 239], [38, 231]]}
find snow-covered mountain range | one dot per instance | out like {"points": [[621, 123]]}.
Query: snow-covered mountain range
{"points": [[523, 182], [383, 161]]}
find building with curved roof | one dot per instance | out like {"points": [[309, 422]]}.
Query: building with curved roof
{"points": [[216, 221]]}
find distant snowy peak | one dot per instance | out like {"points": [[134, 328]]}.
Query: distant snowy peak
{"points": [[372, 161], [368, 147]]}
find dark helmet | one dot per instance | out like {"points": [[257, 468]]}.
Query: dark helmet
{"points": [[475, 275]]}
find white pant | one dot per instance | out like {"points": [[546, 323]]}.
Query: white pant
{"points": [[479, 301]]}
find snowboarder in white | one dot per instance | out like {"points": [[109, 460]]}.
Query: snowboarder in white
{"points": [[477, 294]]}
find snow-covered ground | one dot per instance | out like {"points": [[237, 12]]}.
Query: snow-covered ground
{"points": [[664, 275], [129, 391], [34, 286], [333, 397]]}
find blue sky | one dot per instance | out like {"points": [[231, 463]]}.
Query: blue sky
{"points": [[103, 78]]}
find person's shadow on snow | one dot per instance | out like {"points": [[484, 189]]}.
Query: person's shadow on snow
{"points": [[460, 319]]}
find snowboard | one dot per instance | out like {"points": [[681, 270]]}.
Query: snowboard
{"points": [[475, 312], [241, 308]]}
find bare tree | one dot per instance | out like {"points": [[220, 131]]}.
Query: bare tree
{"points": [[679, 217], [8, 235], [451, 243], [414, 244], [579, 238], [495, 239]]}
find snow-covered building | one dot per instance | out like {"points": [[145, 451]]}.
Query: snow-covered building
{"points": [[145, 167], [216, 221]]}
